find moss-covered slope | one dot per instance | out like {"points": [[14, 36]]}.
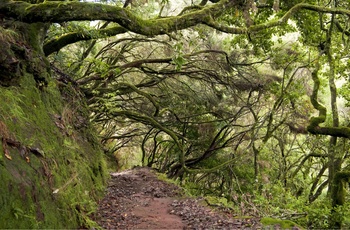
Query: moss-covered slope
{"points": [[51, 166]]}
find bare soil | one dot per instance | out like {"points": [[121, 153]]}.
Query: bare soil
{"points": [[137, 199]]}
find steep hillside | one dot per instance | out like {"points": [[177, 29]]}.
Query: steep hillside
{"points": [[52, 169]]}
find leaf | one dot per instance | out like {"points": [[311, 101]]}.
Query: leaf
{"points": [[7, 154], [237, 13], [179, 61]]}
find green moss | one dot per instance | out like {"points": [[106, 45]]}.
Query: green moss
{"points": [[243, 217], [284, 224], [163, 177], [58, 189]]}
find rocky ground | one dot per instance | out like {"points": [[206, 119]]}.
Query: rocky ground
{"points": [[137, 199]]}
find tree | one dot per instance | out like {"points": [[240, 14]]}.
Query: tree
{"points": [[174, 127]]}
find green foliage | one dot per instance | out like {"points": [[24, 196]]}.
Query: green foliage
{"points": [[283, 224], [342, 214], [163, 177], [219, 201], [275, 200], [178, 58], [318, 216], [345, 93]]}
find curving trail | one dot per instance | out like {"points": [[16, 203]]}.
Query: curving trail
{"points": [[137, 199]]}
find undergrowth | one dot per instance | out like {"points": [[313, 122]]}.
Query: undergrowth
{"points": [[275, 204]]}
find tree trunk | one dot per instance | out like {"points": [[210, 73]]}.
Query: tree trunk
{"points": [[336, 189], [22, 51]]}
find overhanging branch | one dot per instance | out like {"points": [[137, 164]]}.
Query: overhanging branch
{"points": [[56, 11], [56, 44], [155, 124], [314, 126], [276, 22]]}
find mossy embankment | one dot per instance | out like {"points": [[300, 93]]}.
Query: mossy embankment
{"points": [[52, 169]]}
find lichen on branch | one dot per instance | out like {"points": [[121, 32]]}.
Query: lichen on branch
{"points": [[314, 126], [316, 121], [56, 44], [56, 11]]}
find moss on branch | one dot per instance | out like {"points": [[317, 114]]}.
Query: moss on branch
{"points": [[58, 11], [315, 121], [314, 126], [55, 11], [56, 44], [276, 22], [330, 131]]}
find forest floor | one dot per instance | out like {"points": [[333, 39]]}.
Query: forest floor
{"points": [[137, 199]]}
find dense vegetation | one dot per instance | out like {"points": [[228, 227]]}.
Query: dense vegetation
{"points": [[243, 102]]}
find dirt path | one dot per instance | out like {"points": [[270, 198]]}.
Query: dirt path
{"points": [[137, 199]]}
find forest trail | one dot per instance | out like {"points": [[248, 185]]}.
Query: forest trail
{"points": [[137, 199]]}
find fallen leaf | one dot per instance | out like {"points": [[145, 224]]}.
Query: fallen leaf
{"points": [[8, 156]]}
